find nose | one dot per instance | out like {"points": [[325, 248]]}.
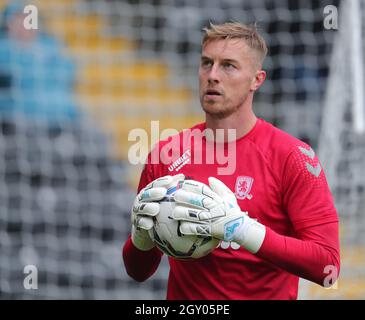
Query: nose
{"points": [[213, 75]]}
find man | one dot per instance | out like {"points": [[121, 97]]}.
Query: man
{"points": [[274, 214], [39, 78]]}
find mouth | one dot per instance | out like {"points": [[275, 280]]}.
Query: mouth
{"points": [[212, 93]]}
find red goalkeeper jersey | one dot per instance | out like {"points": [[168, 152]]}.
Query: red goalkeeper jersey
{"points": [[279, 181]]}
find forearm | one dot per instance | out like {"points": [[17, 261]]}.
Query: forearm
{"points": [[312, 257], [140, 265]]}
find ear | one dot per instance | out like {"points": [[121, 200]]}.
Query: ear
{"points": [[258, 80]]}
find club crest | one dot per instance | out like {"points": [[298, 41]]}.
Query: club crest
{"points": [[243, 187]]}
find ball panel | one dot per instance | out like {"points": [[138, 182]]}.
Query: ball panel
{"points": [[167, 237]]}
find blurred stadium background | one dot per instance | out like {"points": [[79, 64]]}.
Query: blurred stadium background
{"points": [[104, 67]]}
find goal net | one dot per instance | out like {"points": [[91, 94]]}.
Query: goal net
{"points": [[342, 147]]}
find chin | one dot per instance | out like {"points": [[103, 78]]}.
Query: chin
{"points": [[216, 111], [212, 108]]}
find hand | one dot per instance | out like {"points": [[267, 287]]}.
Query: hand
{"points": [[146, 207], [214, 211]]}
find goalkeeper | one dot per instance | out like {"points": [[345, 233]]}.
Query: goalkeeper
{"points": [[275, 214]]}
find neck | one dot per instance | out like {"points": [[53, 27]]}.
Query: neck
{"points": [[243, 120]]}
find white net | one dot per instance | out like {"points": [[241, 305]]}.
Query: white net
{"points": [[68, 103], [342, 147], [63, 209]]}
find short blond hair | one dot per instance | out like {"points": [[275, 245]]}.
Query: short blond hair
{"points": [[237, 30]]}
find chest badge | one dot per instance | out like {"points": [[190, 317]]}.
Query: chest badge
{"points": [[243, 187]]}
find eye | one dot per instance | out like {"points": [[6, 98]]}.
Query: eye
{"points": [[228, 65], [206, 63]]}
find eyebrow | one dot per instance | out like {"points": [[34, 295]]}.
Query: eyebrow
{"points": [[224, 60]]}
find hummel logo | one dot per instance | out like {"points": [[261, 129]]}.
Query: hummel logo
{"points": [[310, 153], [316, 171]]}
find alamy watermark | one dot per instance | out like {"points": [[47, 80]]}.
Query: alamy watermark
{"points": [[195, 146], [30, 22], [330, 20], [330, 281], [31, 279]]}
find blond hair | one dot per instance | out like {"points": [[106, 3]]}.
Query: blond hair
{"points": [[236, 30]]}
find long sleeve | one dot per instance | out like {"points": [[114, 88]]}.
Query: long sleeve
{"points": [[312, 251], [314, 256], [140, 265]]}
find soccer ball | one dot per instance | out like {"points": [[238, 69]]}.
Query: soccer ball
{"points": [[167, 237]]}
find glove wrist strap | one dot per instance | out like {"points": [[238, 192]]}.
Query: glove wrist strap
{"points": [[141, 240], [253, 235]]}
